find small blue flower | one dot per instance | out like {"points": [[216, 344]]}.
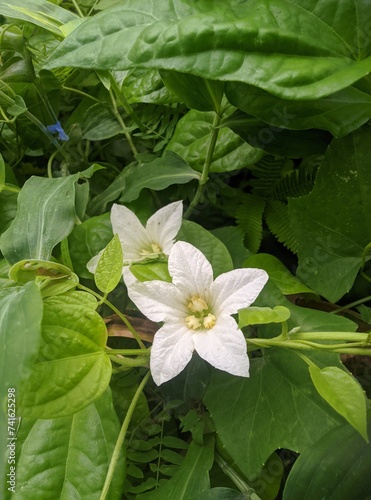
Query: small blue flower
{"points": [[57, 128]]}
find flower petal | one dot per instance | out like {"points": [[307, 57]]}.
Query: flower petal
{"points": [[236, 289], [224, 347], [171, 351], [93, 262], [159, 300], [130, 230], [191, 271], [164, 225]]}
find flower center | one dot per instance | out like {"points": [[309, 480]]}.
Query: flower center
{"points": [[153, 250], [202, 317]]}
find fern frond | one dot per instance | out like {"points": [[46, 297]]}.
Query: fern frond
{"points": [[278, 221], [249, 218], [268, 173], [297, 183]]}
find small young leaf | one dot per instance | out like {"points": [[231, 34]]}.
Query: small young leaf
{"points": [[109, 268], [262, 315], [343, 393]]}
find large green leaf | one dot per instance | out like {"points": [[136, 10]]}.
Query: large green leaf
{"points": [[337, 467], [45, 216], [291, 49], [158, 174], [191, 140], [72, 369], [332, 224], [109, 269], [278, 406], [68, 457], [339, 113], [213, 249], [20, 332], [191, 478]]}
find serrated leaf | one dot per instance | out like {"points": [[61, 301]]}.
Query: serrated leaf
{"points": [[262, 315], [191, 140], [278, 220], [72, 369], [213, 249], [56, 454], [343, 393], [109, 267]]}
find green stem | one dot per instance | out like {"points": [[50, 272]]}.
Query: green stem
{"points": [[76, 91], [120, 440], [237, 480], [128, 352], [352, 304], [122, 124], [119, 314], [205, 170], [78, 10], [126, 106], [350, 336]]}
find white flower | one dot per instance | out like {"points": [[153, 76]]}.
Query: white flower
{"points": [[140, 243], [196, 311]]}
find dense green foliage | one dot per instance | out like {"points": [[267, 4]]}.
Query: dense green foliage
{"points": [[256, 114]]}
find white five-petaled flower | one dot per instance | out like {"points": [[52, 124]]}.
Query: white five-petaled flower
{"points": [[196, 311], [140, 243]]}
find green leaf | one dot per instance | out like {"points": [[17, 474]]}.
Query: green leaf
{"points": [[28, 270], [278, 273], [18, 108], [158, 174], [337, 465], [44, 14], [192, 476], [72, 369], [191, 140], [45, 216], [342, 391], [279, 223], [99, 123], [294, 420], [143, 85], [87, 240], [339, 113], [276, 140], [109, 267], [57, 457], [20, 331], [197, 93], [151, 271], [287, 48], [330, 243], [262, 315], [213, 249], [233, 240]]}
